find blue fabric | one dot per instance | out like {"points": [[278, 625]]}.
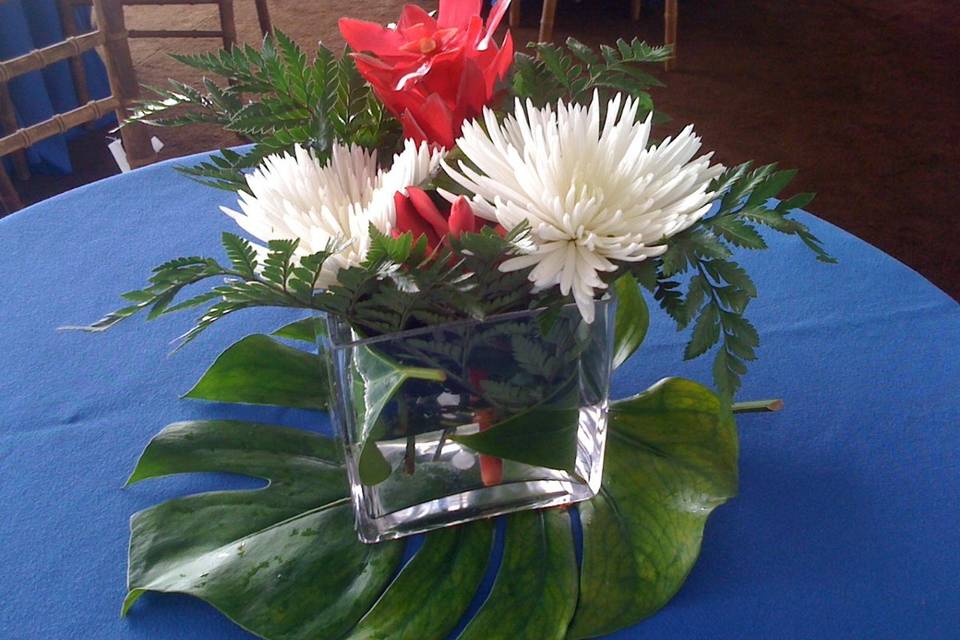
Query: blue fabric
{"points": [[847, 523], [30, 24]]}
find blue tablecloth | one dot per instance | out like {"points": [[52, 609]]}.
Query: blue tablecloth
{"points": [[848, 520], [30, 24]]}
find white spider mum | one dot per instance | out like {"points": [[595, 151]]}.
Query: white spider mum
{"points": [[293, 196], [592, 192]]}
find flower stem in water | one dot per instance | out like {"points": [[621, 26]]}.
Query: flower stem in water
{"points": [[409, 455]]}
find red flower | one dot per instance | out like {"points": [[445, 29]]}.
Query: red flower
{"points": [[433, 73], [418, 214]]}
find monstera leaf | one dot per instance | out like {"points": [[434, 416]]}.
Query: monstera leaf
{"points": [[280, 561], [671, 459], [284, 561]]}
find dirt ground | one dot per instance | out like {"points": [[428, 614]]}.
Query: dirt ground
{"points": [[862, 97]]}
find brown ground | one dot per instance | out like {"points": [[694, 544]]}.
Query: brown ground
{"points": [[861, 96]]}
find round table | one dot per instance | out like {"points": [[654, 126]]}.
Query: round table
{"points": [[848, 520]]}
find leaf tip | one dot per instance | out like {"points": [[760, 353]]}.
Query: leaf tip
{"points": [[132, 596]]}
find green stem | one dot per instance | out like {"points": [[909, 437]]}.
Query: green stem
{"points": [[409, 455], [443, 440], [424, 373], [757, 406], [464, 398]]}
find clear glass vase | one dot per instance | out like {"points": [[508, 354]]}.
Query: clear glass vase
{"points": [[471, 419]]}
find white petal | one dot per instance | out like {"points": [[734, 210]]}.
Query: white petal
{"points": [[592, 191]]}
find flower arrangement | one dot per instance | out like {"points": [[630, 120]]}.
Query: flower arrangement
{"points": [[474, 226], [425, 139]]}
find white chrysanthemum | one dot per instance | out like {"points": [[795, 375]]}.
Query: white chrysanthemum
{"points": [[293, 196], [592, 192]]}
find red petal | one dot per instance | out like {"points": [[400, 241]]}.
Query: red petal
{"points": [[428, 211], [412, 128], [491, 470], [472, 93], [444, 77], [493, 20], [408, 219], [374, 71], [461, 218], [457, 13], [504, 57], [491, 467], [477, 376], [436, 120], [368, 36], [413, 15]]}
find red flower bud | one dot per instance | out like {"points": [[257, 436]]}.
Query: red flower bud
{"points": [[462, 218], [417, 213]]}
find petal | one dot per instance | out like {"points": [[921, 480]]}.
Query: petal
{"points": [[413, 16], [412, 128], [504, 57], [369, 36], [428, 211], [441, 74], [408, 219], [493, 21], [457, 13], [435, 119], [471, 94], [584, 299], [462, 218]]}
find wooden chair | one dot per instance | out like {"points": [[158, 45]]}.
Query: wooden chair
{"points": [[228, 26], [111, 35], [670, 15]]}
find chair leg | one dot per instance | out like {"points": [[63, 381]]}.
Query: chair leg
{"points": [[263, 17], [136, 145], [546, 20], [670, 32], [636, 6], [123, 82], [228, 24], [9, 197], [515, 9]]}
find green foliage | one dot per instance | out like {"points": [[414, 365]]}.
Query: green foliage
{"points": [[306, 330], [539, 569], [285, 281], [431, 592], [574, 71], [231, 548], [284, 561], [379, 379], [261, 370], [276, 98], [632, 319], [718, 291], [671, 459], [401, 285], [539, 437]]}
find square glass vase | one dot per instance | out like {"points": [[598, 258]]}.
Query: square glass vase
{"points": [[473, 419]]}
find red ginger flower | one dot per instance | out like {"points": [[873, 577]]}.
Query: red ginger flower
{"points": [[417, 213], [433, 73]]}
